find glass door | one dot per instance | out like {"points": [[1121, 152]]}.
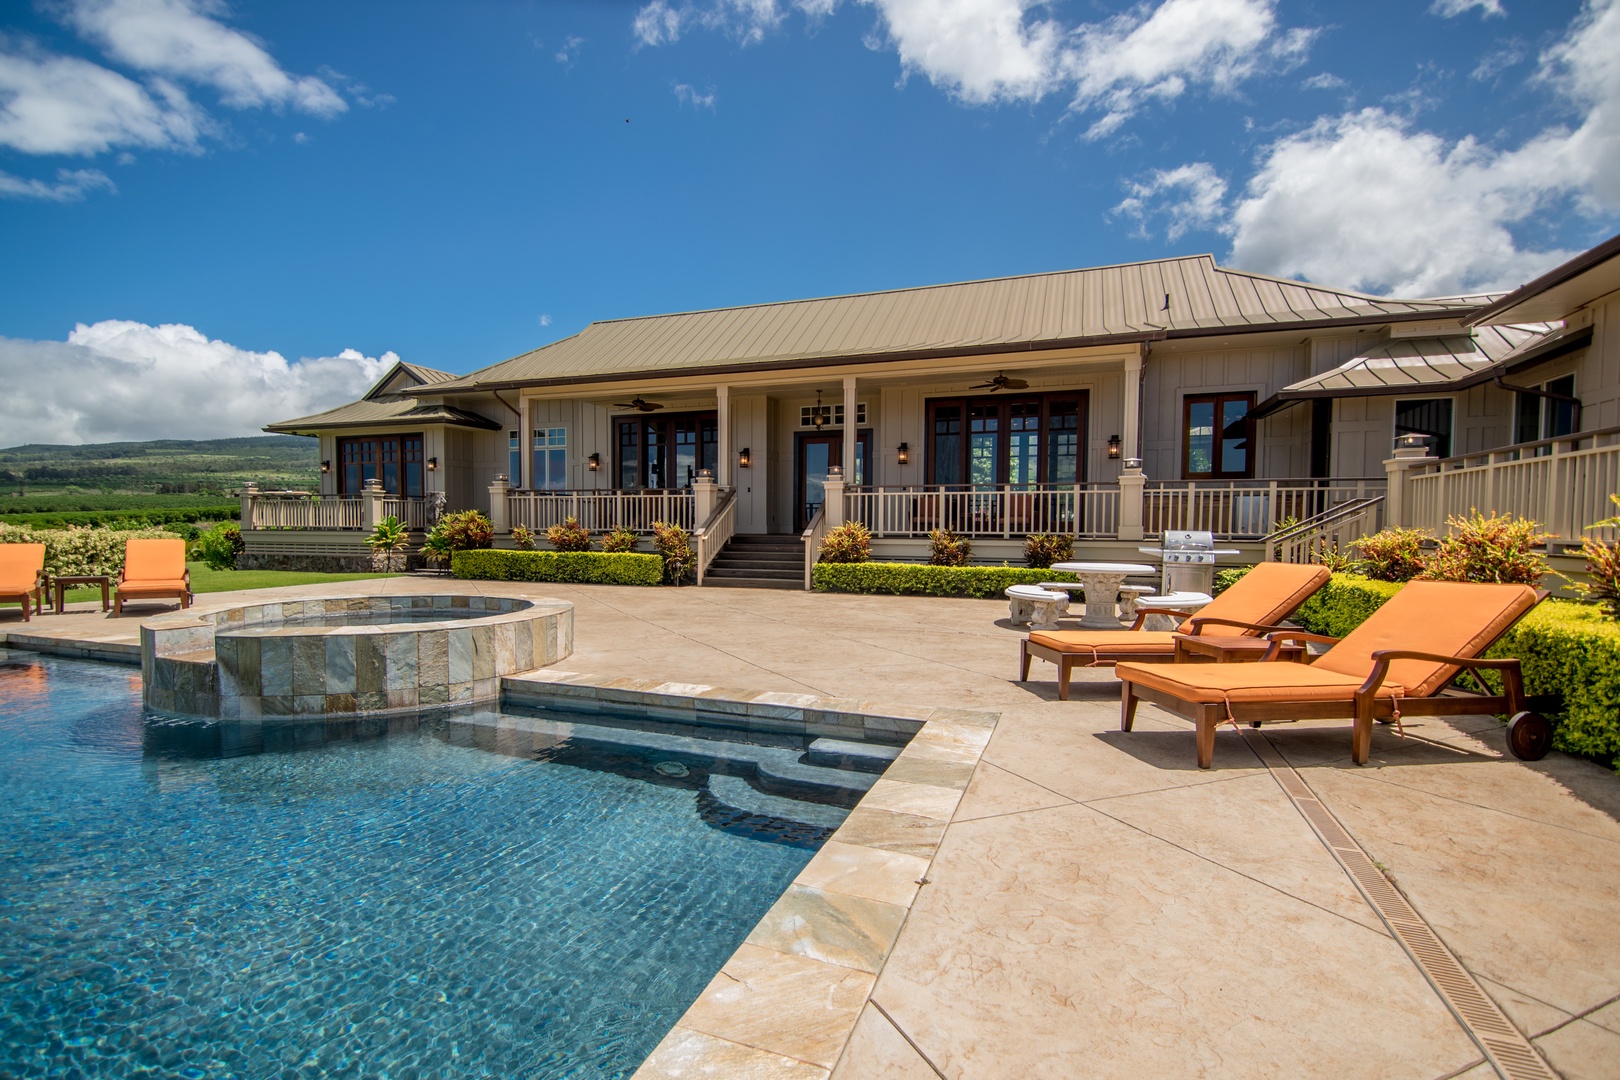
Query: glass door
{"points": [[816, 454]]}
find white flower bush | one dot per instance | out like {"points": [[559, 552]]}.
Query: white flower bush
{"points": [[79, 551]]}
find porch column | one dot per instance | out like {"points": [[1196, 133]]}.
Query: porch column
{"points": [[722, 472], [1396, 468], [250, 491], [704, 497], [851, 432], [499, 513], [1131, 422], [371, 504]]}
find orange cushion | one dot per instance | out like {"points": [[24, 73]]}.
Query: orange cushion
{"points": [[1275, 681], [154, 560], [20, 565], [1265, 595], [152, 588], [1102, 642], [1450, 617]]}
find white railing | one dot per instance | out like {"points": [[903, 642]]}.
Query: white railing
{"points": [[987, 510], [413, 513], [715, 533], [303, 510], [600, 511], [812, 545], [1245, 509], [1335, 530], [1562, 483]]}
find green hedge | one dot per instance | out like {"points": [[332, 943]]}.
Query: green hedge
{"points": [[126, 519], [576, 567], [1568, 650], [915, 579]]}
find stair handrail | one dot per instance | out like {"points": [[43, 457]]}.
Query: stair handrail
{"points": [[1298, 541], [811, 537], [715, 533]]}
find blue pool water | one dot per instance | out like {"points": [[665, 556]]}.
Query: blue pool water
{"points": [[376, 899]]}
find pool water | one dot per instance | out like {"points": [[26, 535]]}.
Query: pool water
{"points": [[383, 898]]}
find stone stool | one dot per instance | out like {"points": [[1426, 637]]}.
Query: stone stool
{"points": [[1129, 597], [1037, 608], [1189, 602]]}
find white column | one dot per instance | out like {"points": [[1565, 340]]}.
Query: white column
{"points": [[722, 471], [499, 513], [1132, 483], [1131, 422], [851, 429], [703, 497], [833, 508], [1405, 460]]}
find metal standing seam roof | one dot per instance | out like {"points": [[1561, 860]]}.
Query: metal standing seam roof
{"points": [[378, 407], [1402, 364], [1189, 296]]}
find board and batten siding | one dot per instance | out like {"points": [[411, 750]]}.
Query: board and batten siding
{"points": [[1172, 377]]}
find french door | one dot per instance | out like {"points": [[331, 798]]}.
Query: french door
{"points": [[396, 460], [1021, 441], [814, 456], [666, 452]]}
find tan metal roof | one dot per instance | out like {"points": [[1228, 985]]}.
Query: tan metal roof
{"points": [[378, 407], [1405, 364], [1132, 302], [1562, 290]]}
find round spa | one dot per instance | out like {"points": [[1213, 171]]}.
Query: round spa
{"points": [[347, 655]]}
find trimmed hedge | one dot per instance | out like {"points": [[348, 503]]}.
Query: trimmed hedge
{"points": [[916, 579], [1343, 604], [574, 567]]}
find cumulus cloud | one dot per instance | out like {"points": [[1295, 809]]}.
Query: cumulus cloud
{"points": [[70, 186], [1191, 197], [117, 379], [1450, 9]]}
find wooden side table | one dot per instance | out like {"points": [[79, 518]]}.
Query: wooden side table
{"points": [[63, 582], [1232, 648]]}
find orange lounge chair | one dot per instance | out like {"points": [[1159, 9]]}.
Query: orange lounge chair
{"points": [[1261, 598], [1378, 672], [153, 570], [22, 576]]}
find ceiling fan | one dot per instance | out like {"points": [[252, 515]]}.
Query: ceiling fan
{"points": [[637, 404], [1001, 382]]}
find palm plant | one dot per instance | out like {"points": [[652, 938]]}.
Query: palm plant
{"points": [[388, 544]]}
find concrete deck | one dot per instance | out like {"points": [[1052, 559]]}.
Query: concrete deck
{"points": [[1100, 907]]}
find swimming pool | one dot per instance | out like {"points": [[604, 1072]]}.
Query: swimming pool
{"points": [[393, 896]]}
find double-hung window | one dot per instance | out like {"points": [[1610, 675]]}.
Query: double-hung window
{"points": [[550, 464], [514, 457]]}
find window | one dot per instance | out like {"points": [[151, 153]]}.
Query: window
{"points": [[514, 457], [806, 420], [550, 467], [1005, 440], [1216, 436], [1537, 417], [1427, 416], [396, 460], [666, 452]]}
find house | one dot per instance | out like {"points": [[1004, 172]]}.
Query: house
{"points": [[1108, 403]]}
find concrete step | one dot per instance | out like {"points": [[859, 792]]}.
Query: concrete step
{"points": [[843, 754], [762, 562], [751, 583]]}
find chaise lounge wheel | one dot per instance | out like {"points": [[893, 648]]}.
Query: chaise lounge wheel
{"points": [[1529, 736]]}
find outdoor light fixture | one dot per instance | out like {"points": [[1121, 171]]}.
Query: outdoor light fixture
{"points": [[1411, 441], [326, 466], [820, 415], [593, 462], [743, 458], [433, 464], [903, 454], [1113, 446]]}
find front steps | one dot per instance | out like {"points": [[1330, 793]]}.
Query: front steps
{"points": [[759, 562]]}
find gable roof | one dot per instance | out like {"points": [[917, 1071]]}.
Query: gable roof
{"points": [[383, 406], [1144, 301]]}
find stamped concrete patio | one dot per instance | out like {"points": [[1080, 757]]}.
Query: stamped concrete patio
{"points": [[1100, 907]]}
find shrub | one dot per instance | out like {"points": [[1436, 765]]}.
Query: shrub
{"points": [[1602, 567], [1343, 604], [620, 539], [915, 579], [436, 549], [569, 536], [674, 546], [466, 530], [946, 548], [850, 542], [1043, 549], [1495, 548], [1394, 554], [1329, 555], [79, 551], [187, 532], [220, 546], [1225, 579], [387, 544], [574, 567], [523, 537]]}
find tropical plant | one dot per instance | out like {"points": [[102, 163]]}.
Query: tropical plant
{"points": [[1393, 554], [946, 548], [850, 542], [1602, 567], [1041, 550], [467, 530], [388, 544], [220, 546], [620, 540], [1499, 548], [1329, 555], [436, 548], [569, 536], [673, 543], [523, 538]]}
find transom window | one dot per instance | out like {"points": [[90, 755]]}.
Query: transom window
{"points": [[1426, 416], [666, 451], [550, 465], [807, 418], [1216, 436], [396, 460], [1002, 440]]}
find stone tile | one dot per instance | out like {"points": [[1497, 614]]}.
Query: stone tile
{"points": [[483, 654], [433, 658], [908, 834], [996, 791], [460, 655], [888, 876], [923, 769], [1607, 1017], [787, 1005], [685, 1054], [370, 664], [1530, 1016], [276, 666], [400, 650], [876, 1051], [1582, 1051], [340, 665], [903, 797], [835, 928]]}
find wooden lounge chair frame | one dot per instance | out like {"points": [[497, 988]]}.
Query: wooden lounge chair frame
{"points": [[35, 592], [182, 593], [1529, 734]]}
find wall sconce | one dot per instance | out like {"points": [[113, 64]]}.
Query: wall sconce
{"points": [[326, 466], [902, 454], [594, 462], [1113, 447], [742, 458], [433, 464]]}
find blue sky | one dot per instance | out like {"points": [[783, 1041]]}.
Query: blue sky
{"points": [[260, 202]]}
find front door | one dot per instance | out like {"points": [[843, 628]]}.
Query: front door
{"points": [[816, 454]]}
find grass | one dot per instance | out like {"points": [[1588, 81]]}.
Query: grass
{"points": [[204, 580]]}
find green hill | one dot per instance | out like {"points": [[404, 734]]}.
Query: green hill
{"points": [[40, 478]]}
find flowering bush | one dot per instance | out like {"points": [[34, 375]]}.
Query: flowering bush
{"points": [[1395, 554], [672, 542], [946, 548], [1041, 550], [80, 550], [1495, 548], [523, 537], [569, 536], [620, 540], [850, 542]]}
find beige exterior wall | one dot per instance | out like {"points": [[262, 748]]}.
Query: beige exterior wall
{"points": [[1171, 377]]}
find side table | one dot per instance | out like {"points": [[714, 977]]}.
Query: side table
{"points": [[1227, 648], [63, 582]]}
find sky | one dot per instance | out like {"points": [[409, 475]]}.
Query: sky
{"points": [[219, 213]]}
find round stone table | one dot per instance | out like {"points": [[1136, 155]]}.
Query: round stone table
{"points": [[1102, 580]]}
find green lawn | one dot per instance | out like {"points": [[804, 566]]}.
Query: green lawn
{"points": [[204, 580]]}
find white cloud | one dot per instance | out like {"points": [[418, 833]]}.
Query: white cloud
{"points": [[1450, 9], [570, 50], [1203, 206], [545, 320], [688, 95], [64, 105], [70, 186], [117, 380], [182, 39], [1325, 81]]}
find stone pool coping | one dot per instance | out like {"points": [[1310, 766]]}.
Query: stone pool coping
{"points": [[788, 1000]]}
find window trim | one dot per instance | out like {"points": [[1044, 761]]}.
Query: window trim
{"points": [[1217, 398], [1080, 395], [1395, 413]]}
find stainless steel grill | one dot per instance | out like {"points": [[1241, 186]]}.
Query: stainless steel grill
{"points": [[1188, 556]]}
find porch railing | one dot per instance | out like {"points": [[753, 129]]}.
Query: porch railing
{"points": [[303, 510], [1563, 483], [1332, 530], [413, 513], [812, 536], [1002, 510], [715, 533], [600, 511], [1246, 509]]}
